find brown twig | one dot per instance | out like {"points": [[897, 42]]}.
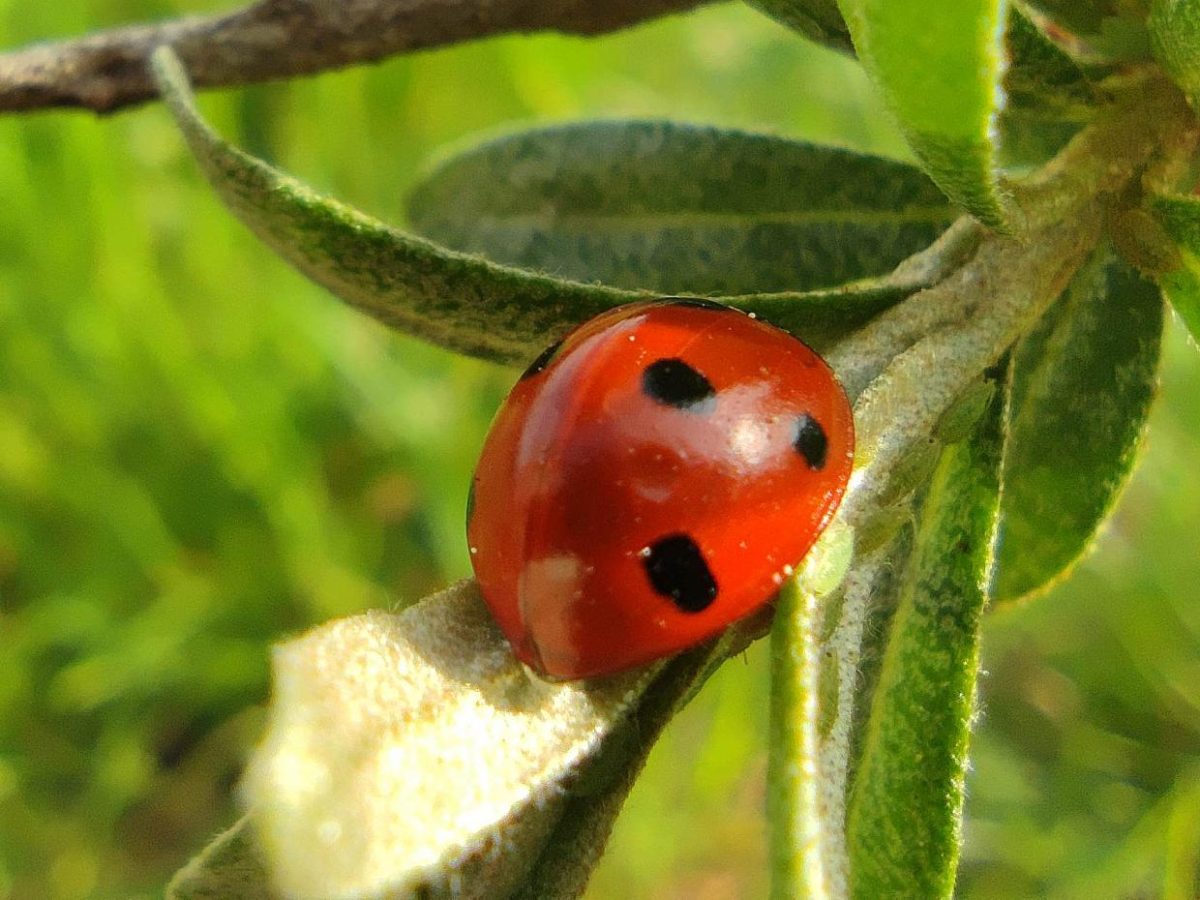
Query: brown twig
{"points": [[269, 39]]}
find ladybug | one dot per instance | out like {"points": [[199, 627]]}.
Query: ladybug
{"points": [[651, 479]]}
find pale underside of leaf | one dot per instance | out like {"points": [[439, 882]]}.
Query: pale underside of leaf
{"points": [[841, 693], [1080, 391], [411, 755], [680, 209], [412, 752]]}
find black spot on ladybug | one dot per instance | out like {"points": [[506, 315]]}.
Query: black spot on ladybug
{"points": [[698, 303], [543, 360], [677, 570], [470, 501], [810, 441], [672, 382]]}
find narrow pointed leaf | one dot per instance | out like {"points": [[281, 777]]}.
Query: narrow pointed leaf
{"points": [[1080, 390], [904, 823], [461, 302], [939, 64], [680, 209], [1179, 216], [818, 20]]}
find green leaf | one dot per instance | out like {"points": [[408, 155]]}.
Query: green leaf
{"points": [[1179, 215], [904, 822], [1110, 30], [1175, 38], [939, 64], [680, 209], [818, 20], [460, 302], [365, 708], [1080, 390]]}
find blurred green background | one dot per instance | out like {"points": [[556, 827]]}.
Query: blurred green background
{"points": [[201, 453]]}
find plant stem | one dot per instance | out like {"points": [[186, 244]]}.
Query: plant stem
{"points": [[910, 363], [797, 832]]}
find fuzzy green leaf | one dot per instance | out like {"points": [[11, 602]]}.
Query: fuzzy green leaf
{"points": [[680, 209], [463, 302], [904, 821], [406, 753], [1179, 215], [939, 64], [1080, 389], [818, 20], [1175, 38], [364, 709]]}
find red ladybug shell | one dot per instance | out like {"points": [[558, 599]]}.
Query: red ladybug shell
{"points": [[650, 480]]}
